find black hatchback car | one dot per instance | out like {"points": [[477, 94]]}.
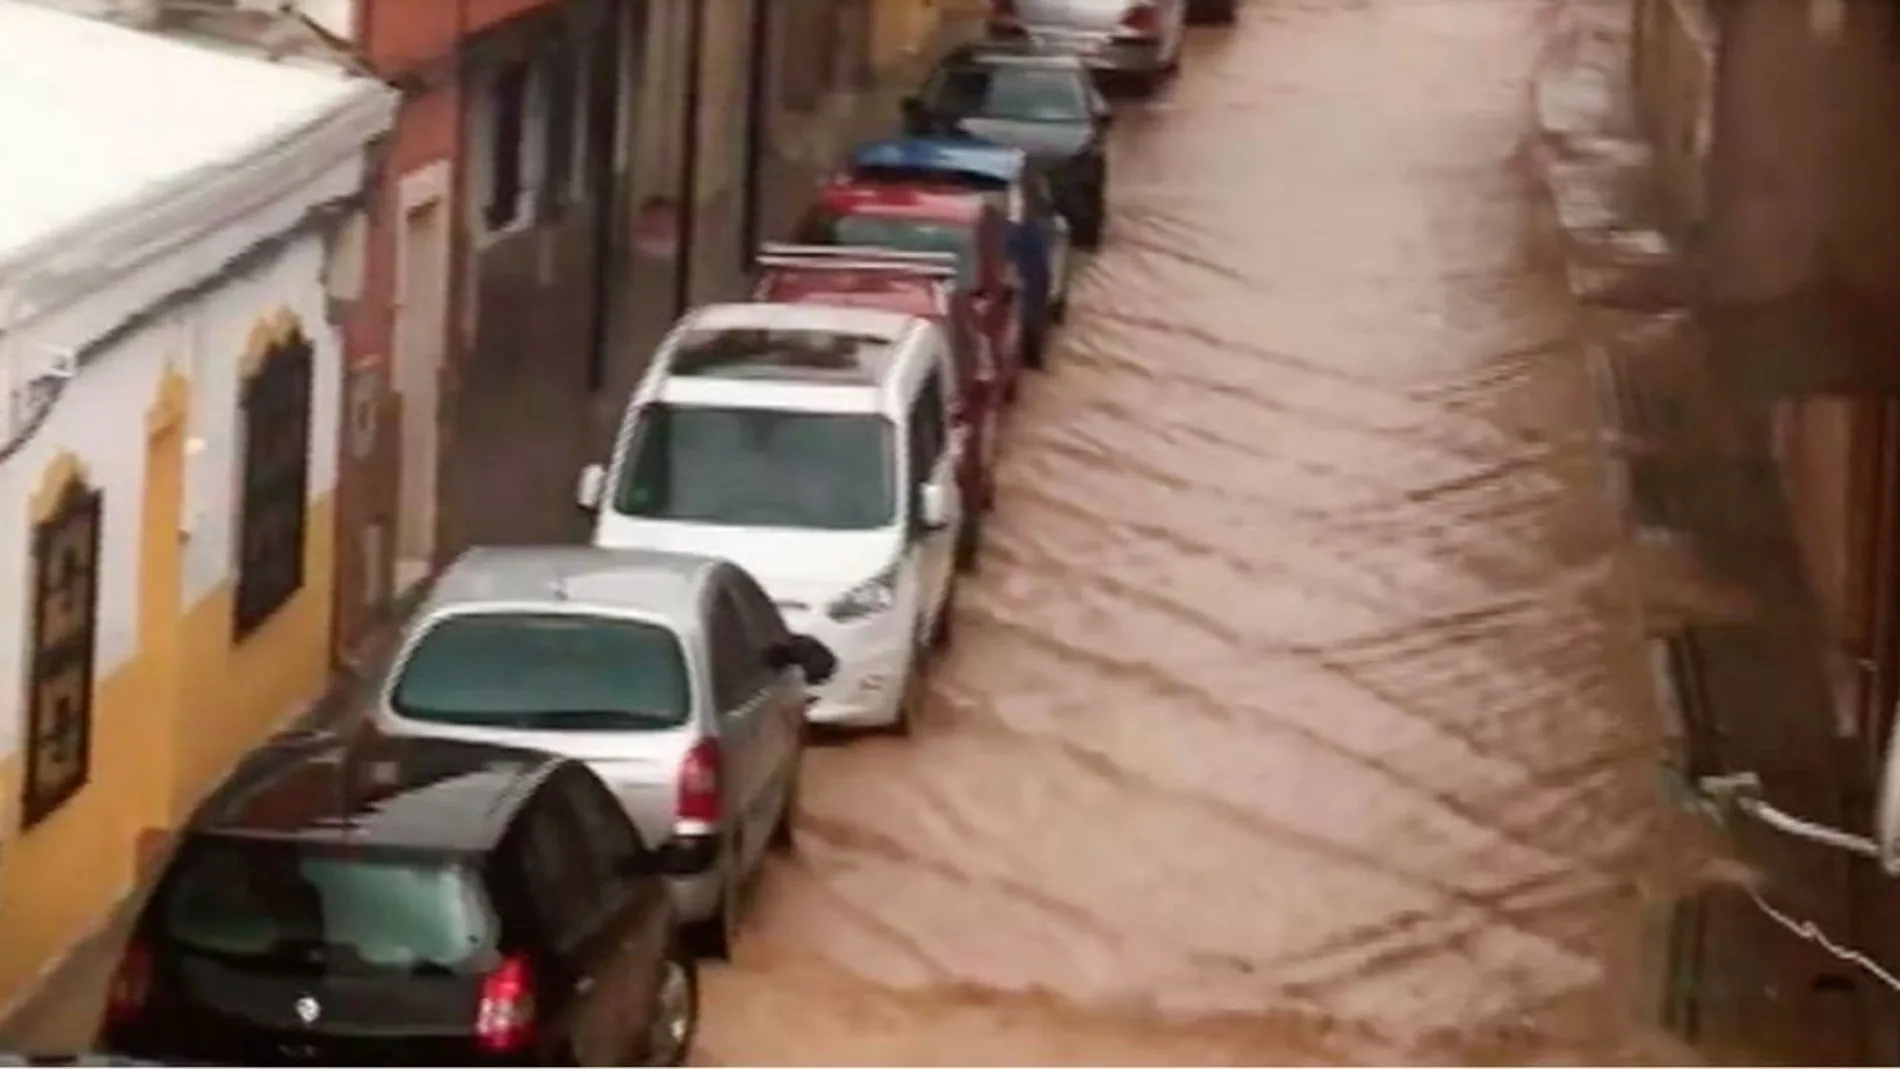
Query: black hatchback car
{"points": [[1045, 104], [374, 901]]}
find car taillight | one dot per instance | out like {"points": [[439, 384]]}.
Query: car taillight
{"points": [[131, 985], [699, 784], [1143, 19], [504, 1019]]}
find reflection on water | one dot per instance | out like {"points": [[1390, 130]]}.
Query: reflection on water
{"points": [[1297, 714]]}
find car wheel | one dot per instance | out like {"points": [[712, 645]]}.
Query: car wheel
{"points": [[784, 838], [910, 700], [673, 1019], [1088, 231], [942, 632], [969, 545], [1035, 339], [715, 936], [1213, 12]]}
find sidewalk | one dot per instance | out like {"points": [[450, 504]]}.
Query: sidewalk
{"points": [[1692, 467]]}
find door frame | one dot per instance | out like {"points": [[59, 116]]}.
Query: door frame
{"points": [[752, 167], [430, 186]]}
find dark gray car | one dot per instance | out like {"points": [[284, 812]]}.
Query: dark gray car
{"points": [[1045, 104]]}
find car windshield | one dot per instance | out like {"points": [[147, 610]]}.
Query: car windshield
{"points": [[906, 235], [285, 907], [758, 467], [1013, 93], [545, 672]]}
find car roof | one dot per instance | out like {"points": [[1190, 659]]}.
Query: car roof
{"points": [[787, 374], [1012, 54], [655, 584], [968, 156], [848, 195], [915, 295], [772, 315], [369, 790]]}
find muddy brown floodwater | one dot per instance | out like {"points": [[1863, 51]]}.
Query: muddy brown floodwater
{"points": [[1292, 716]]}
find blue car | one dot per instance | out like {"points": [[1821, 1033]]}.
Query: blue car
{"points": [[1039, 235]]}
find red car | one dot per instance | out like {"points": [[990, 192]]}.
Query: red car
{"points": [[925, 285], [920, 217]]}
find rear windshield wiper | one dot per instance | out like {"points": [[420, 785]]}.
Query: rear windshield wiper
{"points": [[529, 719]]}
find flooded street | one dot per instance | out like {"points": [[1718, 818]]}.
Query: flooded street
{"points": [[1296, 714]]}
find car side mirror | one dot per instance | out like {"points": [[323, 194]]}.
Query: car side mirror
{"points": [[811, 657], [591, 487], [915, 117], [933, 507]]}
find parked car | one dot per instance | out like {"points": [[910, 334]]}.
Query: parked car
{"points": [[8, 1059], [1136, 39], [670, 674], [924, 285], [814, 447], [1038, 234], [1045, 104], [359, 900], [927, 218]]}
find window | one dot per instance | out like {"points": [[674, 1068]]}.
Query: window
{"points": [[760, 467], [508, 104], [558, 869], [65, 609], [738, 668], [545, 672], [275, 481], [563, 89], [287, 907], [928, 433], [604, 825], [903, 235], [759, 615], [1013, 94]]}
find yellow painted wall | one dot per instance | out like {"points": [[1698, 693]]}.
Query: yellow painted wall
{"points": [[899, 28], [166, 725]]}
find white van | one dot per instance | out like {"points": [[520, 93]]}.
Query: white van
{"points": [[814, 447]]}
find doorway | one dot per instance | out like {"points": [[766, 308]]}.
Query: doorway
{"points": [[421, 336]]}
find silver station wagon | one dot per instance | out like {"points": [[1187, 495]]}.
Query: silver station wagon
{"points": [[672, 675]]}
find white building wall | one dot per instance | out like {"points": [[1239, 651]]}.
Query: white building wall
{"points": [[336, 16], [219, 327], [101, 418]]}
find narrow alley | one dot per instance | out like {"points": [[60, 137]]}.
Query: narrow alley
{"points": [[1298, 674]]}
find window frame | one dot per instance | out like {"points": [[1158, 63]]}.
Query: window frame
{"points": [[929, 410], [273, 507], [726, 657], [61, 661], [565, 915]]}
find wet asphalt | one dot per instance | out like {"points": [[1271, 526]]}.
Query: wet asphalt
{"points": [[1296, 714]]}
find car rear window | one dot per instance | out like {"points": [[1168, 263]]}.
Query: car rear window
{"points": [[285, 906], [908, 235], [545, 672]]}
